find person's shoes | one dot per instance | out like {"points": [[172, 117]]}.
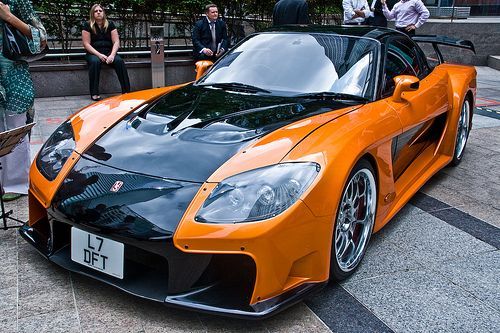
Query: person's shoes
{"points": [[11, 196], [95, 97]]}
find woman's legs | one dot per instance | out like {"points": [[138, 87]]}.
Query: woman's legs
{"points": [[94, 71], [121, 71], [16, 165]]}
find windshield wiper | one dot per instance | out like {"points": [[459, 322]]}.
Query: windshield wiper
{"points": [[334, 95], [236, 86]]}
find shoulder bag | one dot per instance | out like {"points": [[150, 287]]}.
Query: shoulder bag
{"points": [[15, 45]]}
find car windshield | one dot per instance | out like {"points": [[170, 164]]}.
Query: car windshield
{"points": [[299, 63]]}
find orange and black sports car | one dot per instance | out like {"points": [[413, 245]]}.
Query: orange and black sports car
{"points": [[242, 192]]}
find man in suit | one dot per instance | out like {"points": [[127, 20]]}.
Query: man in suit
{"points": [[290, 12], [209, 35]]}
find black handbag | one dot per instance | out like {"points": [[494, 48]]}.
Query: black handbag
{"points": [[15, 45]]}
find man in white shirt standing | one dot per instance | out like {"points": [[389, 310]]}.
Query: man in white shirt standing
{"points": [[356, 11], [408, 14]]}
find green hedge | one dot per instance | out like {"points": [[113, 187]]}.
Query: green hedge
{"points": [[63, 18]]}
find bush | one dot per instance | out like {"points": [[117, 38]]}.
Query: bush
{"points": [[63, 18]]}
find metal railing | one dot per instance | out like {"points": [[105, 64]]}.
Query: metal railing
{"points": [[450, 12], [142, 54]]}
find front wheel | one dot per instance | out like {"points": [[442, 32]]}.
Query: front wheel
{"points": [[354, 222], [463, 130]]}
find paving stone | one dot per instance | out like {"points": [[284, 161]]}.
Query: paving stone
{"points": [[109, 319], [8, 325], [6, 235], [8, 243], [53, 322], [479, 275], [157, 318], [8, 314], [479, 209], [341, 312], [8, 275], [226, 325], [297, 319], [485, 137], [55, 299], [8, 299], [427, 238], [37, 281], [27, 254], [103, 308], [384, 257], [479, 121], [45, 273], [473, 186], [424, 301], [487, 214], [8, 255]]}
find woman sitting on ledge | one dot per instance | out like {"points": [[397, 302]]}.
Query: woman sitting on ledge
{"points": [[101, 41]]}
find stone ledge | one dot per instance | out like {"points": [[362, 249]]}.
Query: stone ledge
{"points": [[68, 79]]}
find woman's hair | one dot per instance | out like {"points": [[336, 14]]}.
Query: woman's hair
{"points": [[92, 20]]}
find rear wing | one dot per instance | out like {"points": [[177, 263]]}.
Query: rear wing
{"points": [[436, 40]]}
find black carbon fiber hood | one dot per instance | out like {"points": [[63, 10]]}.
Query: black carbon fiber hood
{"points": [[187, 134]]}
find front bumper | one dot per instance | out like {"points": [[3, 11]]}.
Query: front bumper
{"points": [[248, 270], [156, 270]]}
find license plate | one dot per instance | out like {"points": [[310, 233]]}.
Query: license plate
{"points": [[99, 253]]}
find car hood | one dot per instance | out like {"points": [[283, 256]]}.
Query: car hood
{"points": [[189, 133]]}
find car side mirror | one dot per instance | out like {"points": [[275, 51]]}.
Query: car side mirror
{"points": [[404, 83], [201, 67]]}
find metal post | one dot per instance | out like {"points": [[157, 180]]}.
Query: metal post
{"points": [[157, 34], [453, 11]]}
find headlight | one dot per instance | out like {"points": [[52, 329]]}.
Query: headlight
{"points": [[258, 194], [56, 151]]}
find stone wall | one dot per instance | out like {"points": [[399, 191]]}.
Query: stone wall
{"points": [[72, 79]]}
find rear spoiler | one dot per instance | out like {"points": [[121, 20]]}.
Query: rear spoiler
{"points": [[436, 40]]}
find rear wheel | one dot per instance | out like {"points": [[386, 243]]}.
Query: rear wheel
{"points": [[463, 130], [354, 222]]}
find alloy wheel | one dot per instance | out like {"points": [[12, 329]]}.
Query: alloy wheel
{"points": [[355, 219], [463, 129]]}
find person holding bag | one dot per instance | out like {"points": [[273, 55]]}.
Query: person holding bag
{"points": [[17, 93]]}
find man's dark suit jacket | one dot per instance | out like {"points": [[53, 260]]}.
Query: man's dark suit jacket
{"points": [[290, 12], [202, 37]]}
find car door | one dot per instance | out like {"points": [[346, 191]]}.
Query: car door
{"points": [[422, 112]]}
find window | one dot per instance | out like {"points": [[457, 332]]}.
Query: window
{"points": [[412, 54], [404, 57], [288, 64], [394, 66]]}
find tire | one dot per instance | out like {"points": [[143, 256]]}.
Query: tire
{"points": [[354, 221], [463, 130]]}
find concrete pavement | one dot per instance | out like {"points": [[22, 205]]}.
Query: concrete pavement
{"points": [[435, 267]]}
